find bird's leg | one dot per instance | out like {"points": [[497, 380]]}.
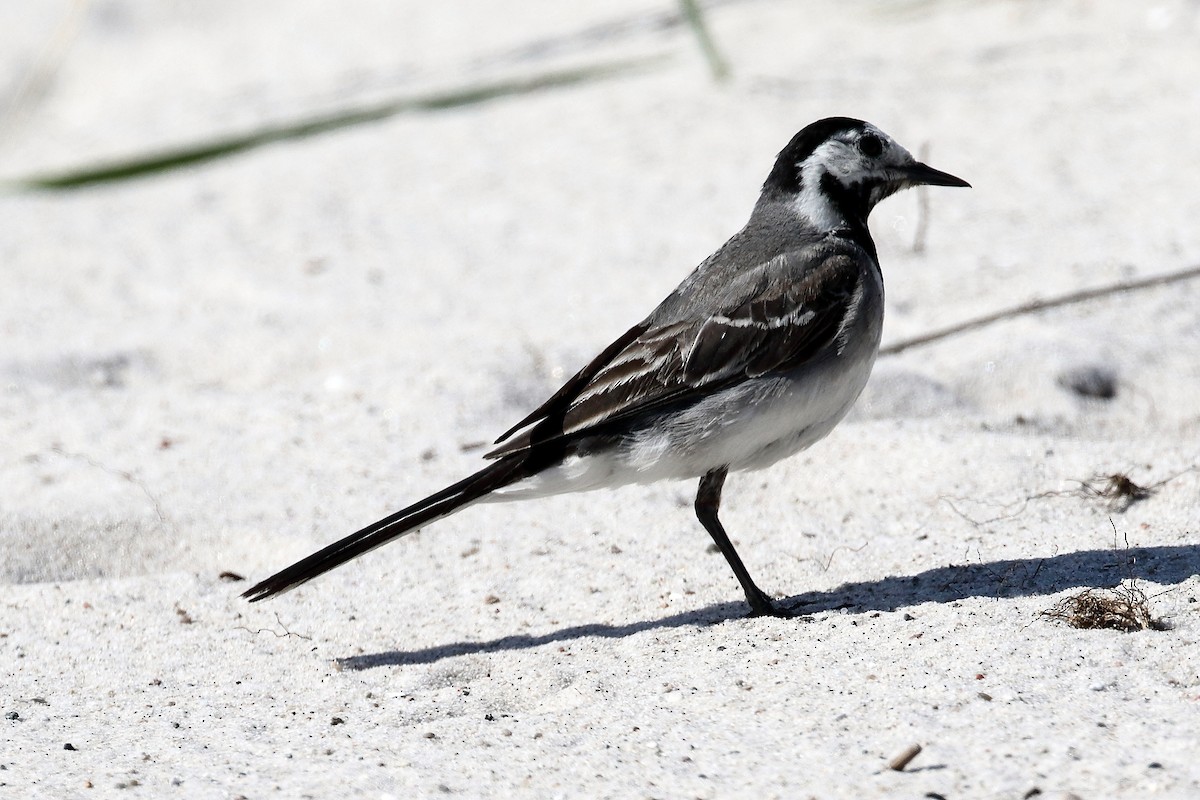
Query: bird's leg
{"points": [[708, 501]]}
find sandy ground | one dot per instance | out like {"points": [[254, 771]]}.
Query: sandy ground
{"points": [[217, 369]]}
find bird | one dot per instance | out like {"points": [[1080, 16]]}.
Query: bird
{"points": [[754, 357]]}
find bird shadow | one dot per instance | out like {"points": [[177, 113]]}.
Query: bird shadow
{"points": [[1023, 577]]}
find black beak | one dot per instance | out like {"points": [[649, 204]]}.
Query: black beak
{"points": [[918, 173]]}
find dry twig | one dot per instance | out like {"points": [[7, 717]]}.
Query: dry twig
{"points": [[1035, 306], [906, 756]]}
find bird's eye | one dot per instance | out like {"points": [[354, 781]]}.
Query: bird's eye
{"points": [[870, 145]]}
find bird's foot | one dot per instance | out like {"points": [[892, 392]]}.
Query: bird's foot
{"points": [[763, 606]]}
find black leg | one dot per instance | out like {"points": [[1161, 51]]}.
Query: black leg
{"points": [[708, 501]]}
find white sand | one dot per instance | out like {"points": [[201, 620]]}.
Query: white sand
{"points": [[224, 367]]}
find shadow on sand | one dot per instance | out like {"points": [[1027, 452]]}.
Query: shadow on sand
{"points": [[1016, 578]]}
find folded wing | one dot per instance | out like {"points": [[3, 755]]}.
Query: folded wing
{"points": [[773, 318]]}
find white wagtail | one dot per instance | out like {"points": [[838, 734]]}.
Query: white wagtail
{"points": [[758, 354]]}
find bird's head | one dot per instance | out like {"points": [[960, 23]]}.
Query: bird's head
{"points": [[834, 171]]}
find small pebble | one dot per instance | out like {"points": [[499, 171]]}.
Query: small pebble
{"points": [[1094, 382]]}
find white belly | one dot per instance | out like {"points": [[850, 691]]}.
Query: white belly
{"points": [[748, 427]]}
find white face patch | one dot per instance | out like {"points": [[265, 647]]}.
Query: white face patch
{"points": [[849, 165]]}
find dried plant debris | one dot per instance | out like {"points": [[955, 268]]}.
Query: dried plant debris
{"points": [[1118, 489], [1122, 608]]}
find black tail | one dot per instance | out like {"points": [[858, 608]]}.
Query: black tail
{"points": [[445, 502]]}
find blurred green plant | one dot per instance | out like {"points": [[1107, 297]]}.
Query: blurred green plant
{"points": [[200, 152], [694, 16]]}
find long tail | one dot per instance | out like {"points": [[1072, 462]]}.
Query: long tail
{"points": [[441, 504]]}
